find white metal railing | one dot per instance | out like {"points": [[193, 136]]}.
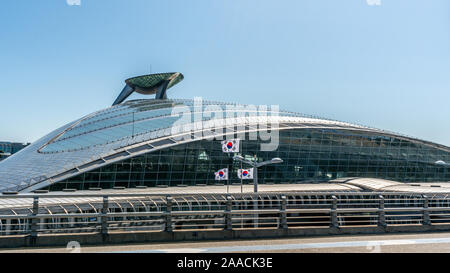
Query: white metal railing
{"points": [[238, 211]]}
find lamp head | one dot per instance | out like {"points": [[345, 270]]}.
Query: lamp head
{"points": [[277, 160]]}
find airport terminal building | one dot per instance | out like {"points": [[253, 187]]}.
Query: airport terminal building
{"points": [[143, 143]]}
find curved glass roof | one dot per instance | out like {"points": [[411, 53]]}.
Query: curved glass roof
{"points": [[135, 127], [135, 118]]}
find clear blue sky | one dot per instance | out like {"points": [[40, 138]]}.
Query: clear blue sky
{"points": [[385, 66]]}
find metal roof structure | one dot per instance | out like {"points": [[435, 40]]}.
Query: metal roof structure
{"points": [[149, 84], [123, 131], [137, 127]]}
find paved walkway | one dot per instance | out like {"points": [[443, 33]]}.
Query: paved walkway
{"points": [[423, 242]]}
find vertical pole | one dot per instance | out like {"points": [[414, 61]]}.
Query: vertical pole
{"points": [[230, 163], [255, 179], [283, 214], [333, 213], [34, 220], [228, 219], [132, 135], [168, 218], [256, 215], [381, 212], [241, 179], [426, 212], [228, 184], [104, 215], [255, 176], [8, 227]]}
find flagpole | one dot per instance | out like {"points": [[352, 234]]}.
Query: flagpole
{"points": [[255, 176], [228, 178], [229, 149], [241, 178], [132, 135]]}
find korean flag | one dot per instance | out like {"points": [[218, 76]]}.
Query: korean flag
{"points": [[245, 173], [230, 146], [222, 174]]}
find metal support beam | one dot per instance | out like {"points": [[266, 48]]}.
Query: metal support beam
{"points": [[228, 218], [35, 220], [256, 215], [255, 179], [104, 215], [381, 212], [126, 92], [161, 94], [8, 227], [168, 214], [426, 212], [333, 213], [283, 214]]}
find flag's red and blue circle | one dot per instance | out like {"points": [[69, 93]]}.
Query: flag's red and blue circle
{"points": [[221, 173], [230, 145], [245, 173]]}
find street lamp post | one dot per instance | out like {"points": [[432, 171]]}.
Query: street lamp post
{"points": [[256, 165]]}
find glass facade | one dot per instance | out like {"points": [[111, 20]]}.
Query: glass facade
{"points": [[310, 155], [313, 149], [102, 133], [139, 118]]}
